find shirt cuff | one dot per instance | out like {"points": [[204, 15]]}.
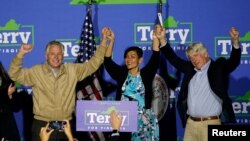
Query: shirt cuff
{"points": [[163, 45], [115, 134], [236, 47]]}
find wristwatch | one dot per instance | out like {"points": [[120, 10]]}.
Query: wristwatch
{"points": [[115, 133]]}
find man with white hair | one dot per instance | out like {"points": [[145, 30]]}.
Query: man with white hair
{"points": [[203, 99], [53, 83]]}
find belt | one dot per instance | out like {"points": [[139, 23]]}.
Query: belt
{"points": [[203, 118]]}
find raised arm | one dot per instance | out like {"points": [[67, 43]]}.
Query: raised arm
{"points": [[16, 72], [168, 52], [159, 35], [156, 41], [234, 60], [234, 33], [112, 68], [25, 48], [108, 39]]}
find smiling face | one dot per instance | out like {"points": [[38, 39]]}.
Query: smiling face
{"points": [[133, 59], [198, 59], [197, 54], [54, 55]]}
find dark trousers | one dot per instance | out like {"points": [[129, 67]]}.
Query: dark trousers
{"points": [[55, 136]]}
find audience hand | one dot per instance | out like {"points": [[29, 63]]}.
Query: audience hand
{"points": [[67, 130], [116, 120], [45, 133]]}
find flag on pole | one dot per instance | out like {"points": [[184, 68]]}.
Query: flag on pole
{"points": [[167, 124], [92, 89], [89, 88]]}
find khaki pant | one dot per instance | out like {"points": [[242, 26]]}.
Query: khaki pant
{"points": [[198, 130]]}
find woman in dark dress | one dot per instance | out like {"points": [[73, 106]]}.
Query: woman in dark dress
{"points": [[8, 105]]}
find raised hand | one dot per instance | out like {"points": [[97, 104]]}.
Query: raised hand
{"points": [[67, 130], [160, 33], [234, 33], [45, 133], [108, 36], [116, 120], [111, 34], [25, 48]]}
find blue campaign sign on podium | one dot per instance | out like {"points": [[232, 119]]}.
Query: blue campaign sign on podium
{"points": [[95, 115]]}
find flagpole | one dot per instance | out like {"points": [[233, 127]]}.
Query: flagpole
{"points": [[90, 87], [160, 6], [159, 13], [90, 2]]}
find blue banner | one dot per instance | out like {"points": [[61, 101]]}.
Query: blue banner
{"points": [[39, 22]]}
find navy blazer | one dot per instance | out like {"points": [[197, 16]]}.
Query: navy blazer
{"points": [[218, 77]]}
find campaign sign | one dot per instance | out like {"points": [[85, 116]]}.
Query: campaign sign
{"points": [[95, 115]]}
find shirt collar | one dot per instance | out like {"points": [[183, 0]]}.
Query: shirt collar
{"points": [[205, 67], [55, 73]]}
